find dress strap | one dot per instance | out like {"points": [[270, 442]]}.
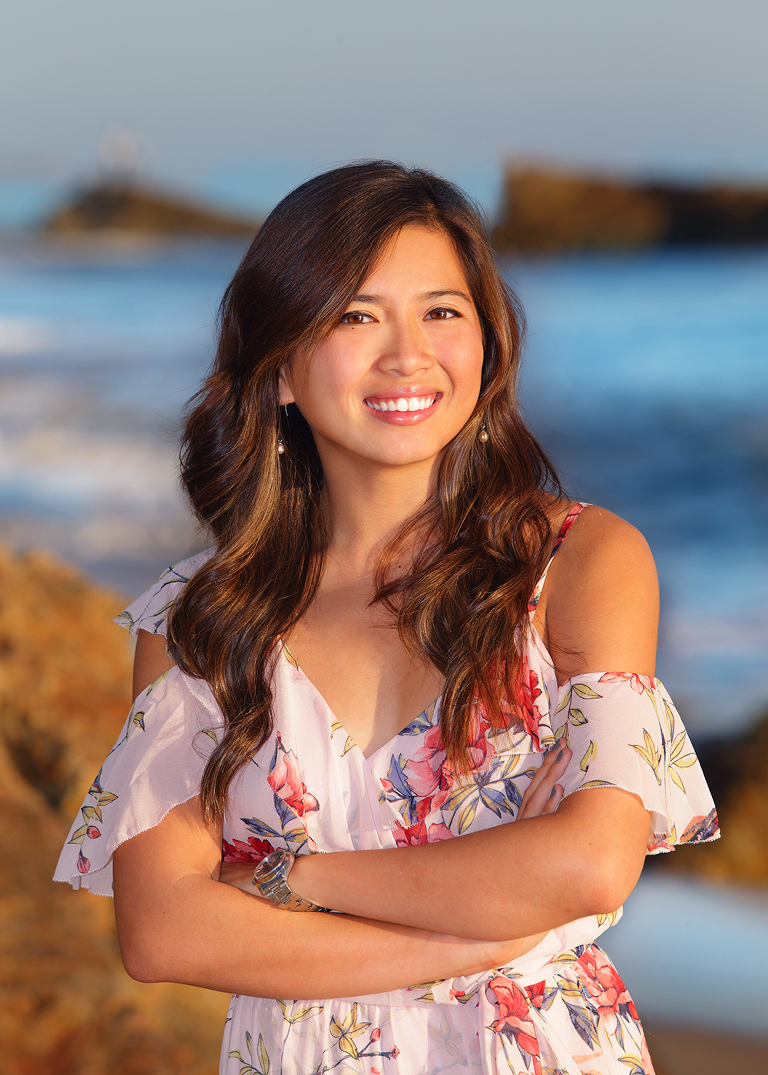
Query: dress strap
{"points": [[568, 522]]}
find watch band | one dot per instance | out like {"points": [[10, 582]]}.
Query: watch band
{"points": [[271, 879]]}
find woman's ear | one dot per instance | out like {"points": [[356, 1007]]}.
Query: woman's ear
{"points": [[284, 391]]}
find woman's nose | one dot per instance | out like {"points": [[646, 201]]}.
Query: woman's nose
{"points": [[406, 350]]}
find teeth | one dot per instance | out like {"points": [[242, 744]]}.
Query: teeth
{"points": [[414, 403]]}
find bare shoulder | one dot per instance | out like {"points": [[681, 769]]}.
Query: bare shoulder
{"points": [[150, 660], [600, 542], [601, 598]]}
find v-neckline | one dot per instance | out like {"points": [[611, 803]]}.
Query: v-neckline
{"points": [[429, 712]]}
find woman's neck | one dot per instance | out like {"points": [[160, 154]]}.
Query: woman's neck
{"points": [[367, 506]]}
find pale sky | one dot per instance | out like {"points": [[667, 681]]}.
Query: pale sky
{"points": [[213, 86]]}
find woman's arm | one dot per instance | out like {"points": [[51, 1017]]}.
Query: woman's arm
{"points": [[599, 611], [150, 660], [177, 923]]}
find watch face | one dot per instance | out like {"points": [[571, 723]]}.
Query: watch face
{"points": [[268, 865]]}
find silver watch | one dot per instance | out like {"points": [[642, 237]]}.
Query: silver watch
{"points": [[271, 879]]}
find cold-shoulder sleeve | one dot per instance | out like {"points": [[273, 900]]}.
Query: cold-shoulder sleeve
{"points": [[157, 763], [625, 733], [149, 612]]}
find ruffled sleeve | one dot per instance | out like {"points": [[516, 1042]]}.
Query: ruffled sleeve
{"points": [[625, 733], [150, 611], [157, 763]]}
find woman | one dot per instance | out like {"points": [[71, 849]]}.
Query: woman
{"points": [[385, 536]]}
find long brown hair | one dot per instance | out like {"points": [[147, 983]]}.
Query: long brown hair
{"points": [[476, 547]]}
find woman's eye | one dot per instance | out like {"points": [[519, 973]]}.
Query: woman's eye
{"points": [[442, 313], [355, 317]]}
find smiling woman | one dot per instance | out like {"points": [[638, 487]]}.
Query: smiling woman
{"points": [[391, 655], [400, 374]]}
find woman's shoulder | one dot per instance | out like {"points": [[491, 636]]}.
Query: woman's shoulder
{"points": [[149, 611], [599, 606], [598, 539]]}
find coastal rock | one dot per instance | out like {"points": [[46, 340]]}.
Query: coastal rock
{"points": [[547, 211], [67, 1007], [736, 769], [66, 1004], [125, 208]]}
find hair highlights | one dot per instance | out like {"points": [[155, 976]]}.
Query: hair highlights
{"points": [[475, 548]]}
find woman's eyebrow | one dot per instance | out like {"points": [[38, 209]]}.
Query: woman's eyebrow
{"points": [[377, 300], [443, 294]]}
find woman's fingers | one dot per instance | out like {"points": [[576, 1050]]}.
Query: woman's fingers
{"points": [[543, 794], [554, 799]]}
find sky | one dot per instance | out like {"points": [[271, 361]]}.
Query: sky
{"points": [[245, 98]]}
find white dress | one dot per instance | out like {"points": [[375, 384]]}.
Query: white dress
{"points": [[561, 1008]]}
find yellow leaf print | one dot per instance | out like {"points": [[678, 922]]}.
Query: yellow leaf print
{"points": [[589, 755], [675, 778], [584, 691], [348, 1029], [649, 754]]}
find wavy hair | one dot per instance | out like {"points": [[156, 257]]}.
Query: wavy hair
{"points": [[475, 548]]}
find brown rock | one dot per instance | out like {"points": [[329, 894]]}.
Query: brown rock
{"points": [[737, 772], [116, 208], [546, 211], [66, 1004]]}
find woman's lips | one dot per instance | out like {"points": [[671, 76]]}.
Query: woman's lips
{"points": [[403, 408]]}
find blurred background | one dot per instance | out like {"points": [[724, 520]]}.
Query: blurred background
{"points": [[620, 152]]}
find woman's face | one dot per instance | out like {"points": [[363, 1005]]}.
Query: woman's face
{"points": [[400, 374]]}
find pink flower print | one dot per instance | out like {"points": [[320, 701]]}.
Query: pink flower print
{"points": [[428, 773], [92, 832], [515, 1018], [375, 1034], [421, 833], [660, 845], [252, 851], [523, 709], [285, 780], [480, 751], [701, 827], [536, 993], [604, 985], [637, 682], [528, 692], [83, 864]]}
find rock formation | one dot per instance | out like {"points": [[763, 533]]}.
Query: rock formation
{"points": [[124, 208], [737, 772], [546, 211], [67, 1006]]}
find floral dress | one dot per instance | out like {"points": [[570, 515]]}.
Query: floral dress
{"points": [[560, 1008]]}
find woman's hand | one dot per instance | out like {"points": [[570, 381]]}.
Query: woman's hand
{"points": [[543, 795]]}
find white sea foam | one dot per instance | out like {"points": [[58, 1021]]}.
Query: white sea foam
{"points": [[24, 336]]}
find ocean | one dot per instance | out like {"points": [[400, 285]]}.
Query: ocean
{"points": [[646, 378]]}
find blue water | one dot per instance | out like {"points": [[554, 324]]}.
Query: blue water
{"points": [[694, 954], [646, 378]]}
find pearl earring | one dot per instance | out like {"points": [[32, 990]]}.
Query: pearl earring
{"points": [[482, 436], [280, 445]]}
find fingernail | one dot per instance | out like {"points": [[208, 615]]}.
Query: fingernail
{"points": [[552, 793], [560, 755]]}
